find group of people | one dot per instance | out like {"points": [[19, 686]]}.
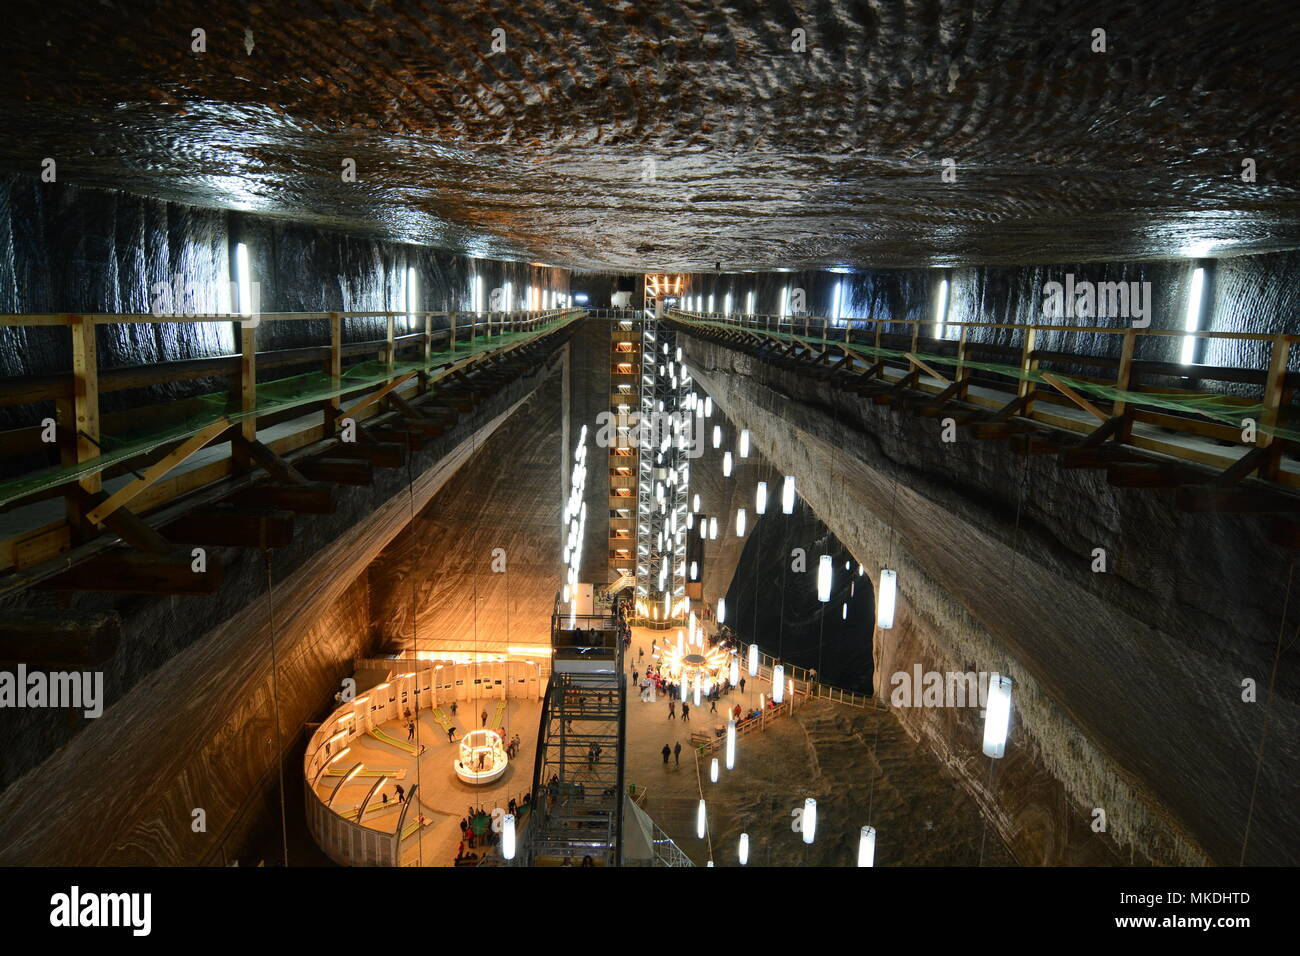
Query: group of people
{"points": [[477, 833]]}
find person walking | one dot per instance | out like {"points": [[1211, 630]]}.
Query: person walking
{"points": [[401, 794], [742, 685], [677, 753], [451, 735], [686, 711], [485, 718], [713, 705], [453, 708], [672, 708], [667, 753]]}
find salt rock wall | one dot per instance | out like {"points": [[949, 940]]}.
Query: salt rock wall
{"points": [[1128, 684], [199, 686], [435, 588]]}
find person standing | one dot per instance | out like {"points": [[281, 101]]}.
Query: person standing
{"points": [[686, 711], [677, 753], [485, 717], [667, 753], [453, 708], [742, 685]]}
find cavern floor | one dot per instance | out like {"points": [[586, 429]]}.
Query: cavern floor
{"points": [[859, 764], [444, 798]]}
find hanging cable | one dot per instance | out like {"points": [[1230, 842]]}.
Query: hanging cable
{"points": [[275, 699]]}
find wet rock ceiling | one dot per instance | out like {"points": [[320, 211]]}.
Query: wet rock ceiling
{"points": [[762, 156]]}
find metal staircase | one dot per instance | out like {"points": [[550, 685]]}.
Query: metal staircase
{"points": [[578, 777]]}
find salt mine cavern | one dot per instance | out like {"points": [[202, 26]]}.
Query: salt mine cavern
{"points": [[689, 434]]}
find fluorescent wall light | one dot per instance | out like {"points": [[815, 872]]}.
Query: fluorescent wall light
{"points": [[886, 599], [1193, 320]]}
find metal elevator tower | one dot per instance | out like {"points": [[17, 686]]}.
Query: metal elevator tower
{"points": [[664, 429]]}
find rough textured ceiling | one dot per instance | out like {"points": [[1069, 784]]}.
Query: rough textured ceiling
{"points": [[763, 157]]}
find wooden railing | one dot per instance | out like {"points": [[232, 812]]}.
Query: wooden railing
{"points": [[1116, 388], [418, 349]]}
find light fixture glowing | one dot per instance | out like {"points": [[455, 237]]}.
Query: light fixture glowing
{"points": [[243, 279], [886, 599], [760, 498], [700, 821], [717, 436], [726, 464], [744, 837], [744, 443], [997, 715], [1193, 320], [508, 836], [753, 660], [808, 826], [713, 771], [713, 529], [722, 610], [778, 683], [695, 504], [824, 578], [740, 522], [867, 847], [787, 495], [731, 735], [941, 310]]}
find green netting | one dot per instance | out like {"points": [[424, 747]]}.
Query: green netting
{"points": [[274, 396], [1224, 409]]}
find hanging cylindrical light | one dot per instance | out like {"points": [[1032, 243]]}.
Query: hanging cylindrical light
{"points": [[708, 406], [886, 599], [753, 660], [722, 610], [824, 578], [717, 436], [867, 847], [760, 498], [713, 771], [740, 522], [787, 495], [744, 848], [508, 836], [997, 715], [697, 689], [778, 683], [699, 821], [808, 827], [731, 742], [713, 529], [744, 443], [726, 464], [695, 503], [734, 675]]}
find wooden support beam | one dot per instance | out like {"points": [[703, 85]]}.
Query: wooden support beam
{"points": [[156, 471], [1102, 433], [1096, 456], [1205, 498], [226, 526], [927, 369], [1145, 474], [129, 572], [312, 498], [335, 372], [1274, 388], [247, 393], [127, 525], [380, 454], [62, 638], [1253, 460], [376, 396], [1075, 397], [273, 464], [342, 471]]}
